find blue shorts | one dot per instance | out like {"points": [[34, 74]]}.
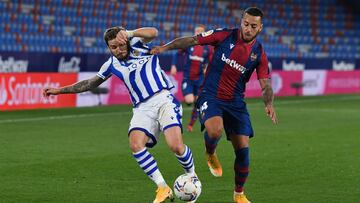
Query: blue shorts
{"points": [[235, 116], [191, 86]]}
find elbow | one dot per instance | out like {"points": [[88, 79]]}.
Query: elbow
{"points": [[155, 32]]}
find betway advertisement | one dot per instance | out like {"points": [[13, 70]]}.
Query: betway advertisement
{"points": [[24, 90]]}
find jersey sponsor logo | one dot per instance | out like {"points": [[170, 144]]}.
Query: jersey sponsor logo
{"points": [[205, 34], [233, 64]]}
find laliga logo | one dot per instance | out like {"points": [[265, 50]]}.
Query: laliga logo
{"points": [[3, 92]]}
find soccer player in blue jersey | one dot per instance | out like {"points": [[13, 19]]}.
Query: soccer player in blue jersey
{"points": [[221, 102], [196, 60], [155, 108]]}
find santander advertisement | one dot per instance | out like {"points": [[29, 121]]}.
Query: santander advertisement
{"points": [[24, 90]]}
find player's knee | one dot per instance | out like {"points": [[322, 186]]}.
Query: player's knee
{"points": [[177, 148], [214, 132], [136, 146]]}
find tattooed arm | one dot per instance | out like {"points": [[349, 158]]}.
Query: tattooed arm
{"points": [[178, 43], [78, 87], [268, 98]]}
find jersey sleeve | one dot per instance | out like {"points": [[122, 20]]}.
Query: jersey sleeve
{"points": [[211, 53], [105, 70], [213, 37], [263, 70], [137, 44]]}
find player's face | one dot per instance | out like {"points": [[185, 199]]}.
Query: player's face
{"points": [[199, 30], [120, 51], [251, 26]]}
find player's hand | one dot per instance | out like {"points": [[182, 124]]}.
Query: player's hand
{"points": [[157, 50], [270, 111], [173, 70], [50, 91], [122, 37]]}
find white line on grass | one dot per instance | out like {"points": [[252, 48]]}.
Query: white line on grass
{"points": [[62, 117], [340, 98]]}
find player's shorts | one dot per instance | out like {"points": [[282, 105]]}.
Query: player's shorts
{"points": [[191, 86], [235, 115], [156, 114]]}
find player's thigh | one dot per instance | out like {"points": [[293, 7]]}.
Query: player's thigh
{"points": [[170, 113], [145, 121]]}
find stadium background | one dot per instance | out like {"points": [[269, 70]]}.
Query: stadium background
{"points": [[81, 154]]}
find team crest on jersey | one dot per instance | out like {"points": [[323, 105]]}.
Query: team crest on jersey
{"points": [[205, 34], [253, 56]]}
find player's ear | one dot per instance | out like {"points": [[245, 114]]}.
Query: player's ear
{"points": [[261, 27]]}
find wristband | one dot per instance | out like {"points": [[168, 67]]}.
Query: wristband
{"points": [[130, 33]]}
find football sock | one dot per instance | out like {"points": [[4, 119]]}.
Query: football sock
{"points": [[210, 143], [148, 164], [241, 168], [186, 160], [194, 115]]}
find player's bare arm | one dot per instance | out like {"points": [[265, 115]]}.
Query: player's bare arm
{"points": [[82, 86], [268, 97], [178, 43], [146, 33]]}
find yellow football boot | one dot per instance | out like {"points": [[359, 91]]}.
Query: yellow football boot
{"points": [[163, 193], [214, 165], [240, 198]]}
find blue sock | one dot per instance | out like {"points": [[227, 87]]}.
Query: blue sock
{"points": [[210, 143], [241, 168]]}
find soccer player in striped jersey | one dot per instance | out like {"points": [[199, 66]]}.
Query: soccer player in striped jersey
{"points": [[196, 60], [221, 102], [155, 108]]}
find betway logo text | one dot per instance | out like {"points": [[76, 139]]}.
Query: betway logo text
{"points": [[342, 65], [12, 65], [233, 64]]}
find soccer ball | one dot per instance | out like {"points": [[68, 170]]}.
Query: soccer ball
{"points": [[187, 187]]}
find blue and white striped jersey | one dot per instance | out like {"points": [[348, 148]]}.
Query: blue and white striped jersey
{"points": [[141, 72]]}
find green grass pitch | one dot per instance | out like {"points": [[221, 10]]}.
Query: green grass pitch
{"points": [[82, 155]]}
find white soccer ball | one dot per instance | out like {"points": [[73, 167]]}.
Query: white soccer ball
{"points": [[187, 187]]}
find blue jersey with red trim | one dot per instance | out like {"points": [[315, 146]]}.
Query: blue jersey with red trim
{"points": [[232, 63], [195, 60]]}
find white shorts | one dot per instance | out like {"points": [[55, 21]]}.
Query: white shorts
{"points": [[158, 113]]}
